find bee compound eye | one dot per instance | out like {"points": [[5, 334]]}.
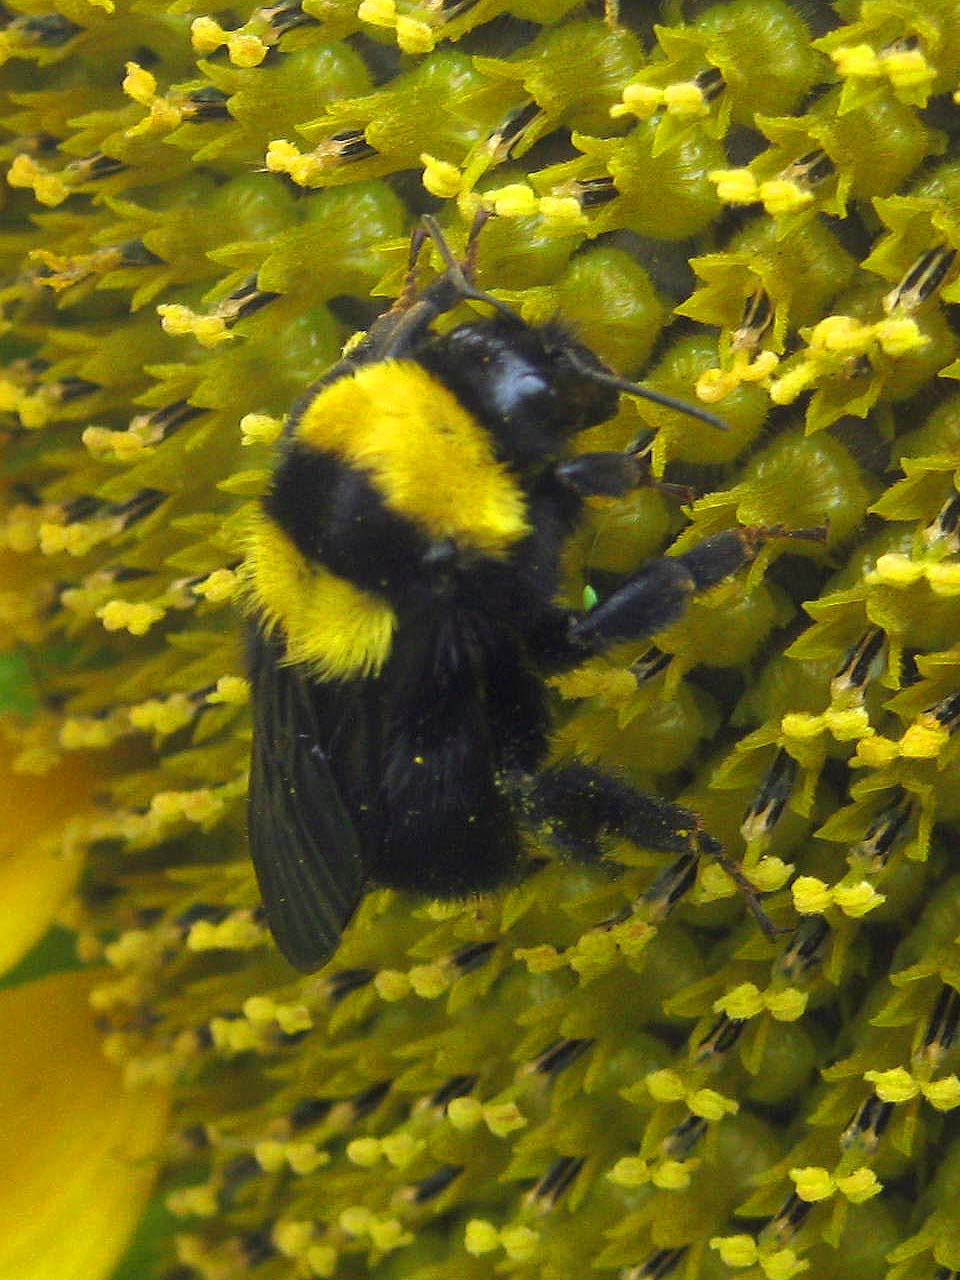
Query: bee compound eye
{"points": [[440, 554]]}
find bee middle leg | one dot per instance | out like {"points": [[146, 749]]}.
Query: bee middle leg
{"points": [[659, 592]]}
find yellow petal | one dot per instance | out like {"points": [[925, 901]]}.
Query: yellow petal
{"points": [[37, 869], [78, 1153]]}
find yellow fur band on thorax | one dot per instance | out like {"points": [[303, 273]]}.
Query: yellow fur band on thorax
{"points": [[429, 458]]}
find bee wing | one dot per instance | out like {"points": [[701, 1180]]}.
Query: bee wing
{"points": [[304, 843]]}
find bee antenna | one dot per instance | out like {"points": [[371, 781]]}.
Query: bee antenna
{"points": [[646, 393]]}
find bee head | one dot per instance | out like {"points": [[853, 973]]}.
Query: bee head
{"points": [[531, 388]]}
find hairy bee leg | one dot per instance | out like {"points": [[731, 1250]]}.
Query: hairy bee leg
{"points": [[575, 806], [466, 267], [672, 883], [614, 475], [653, 598], [408, 320], [398, 330], [658, 593], [606, 475], [748, 893]]}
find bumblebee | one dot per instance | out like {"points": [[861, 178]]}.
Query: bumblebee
{"points": [[402, 573]]}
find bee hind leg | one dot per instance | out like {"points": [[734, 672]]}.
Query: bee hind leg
{"points": [[576, 807]]}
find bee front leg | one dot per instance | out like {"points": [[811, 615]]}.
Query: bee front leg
{"points": [[602, 475], [614, 475]]}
